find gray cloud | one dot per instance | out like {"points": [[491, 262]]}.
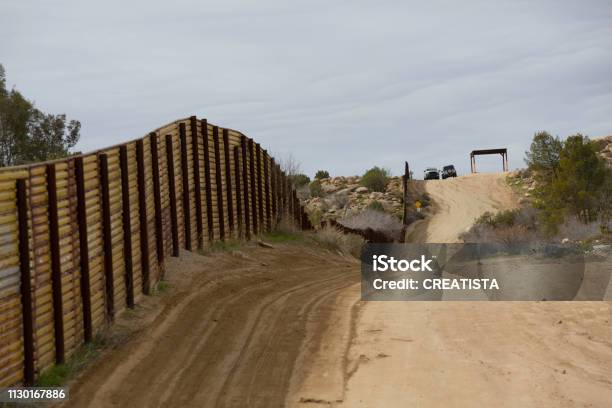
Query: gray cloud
{"points": [[341, 85]]}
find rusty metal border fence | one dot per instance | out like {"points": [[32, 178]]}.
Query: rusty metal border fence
{"points": [[83, 238]]}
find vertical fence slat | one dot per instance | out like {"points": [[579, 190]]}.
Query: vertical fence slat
{"points": [[127, 226], [172, 193], [83, 248], [56, 267], [107, 238], [219, 183], [26, 285], [267, 189], [273, 180], [193, 124], [143, 219], [185, 179], [260, 208], [253, 188], [228, 180], [245, 187], [238, 192], [207, 180], [159, 225]]}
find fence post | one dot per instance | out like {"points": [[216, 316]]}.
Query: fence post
{"points": [[185, 179], [159, 225], [405, 192], [195, 147], [172, 193], [228, 180], [238, 191], [56, 267], [25, 287], [106, 234], [296, 207], [253, 188], [207, 180], [79, 172], [127, 226], [219, 183], [142, 207], [259, 189], [266, 179], [245, 187]]}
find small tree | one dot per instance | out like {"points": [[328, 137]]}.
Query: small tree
{"points": [[321, 174], [375, 179], [544, 155], [316, 190], [29, 135], [580, 177]]}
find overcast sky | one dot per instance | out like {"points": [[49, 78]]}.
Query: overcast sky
{"points": [[340, 85]]}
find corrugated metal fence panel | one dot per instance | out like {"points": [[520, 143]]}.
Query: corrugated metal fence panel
{"points": [[164, 191], [213, 184], [11, 340], [69, 255], [94, 241], [42, 308], [201, 155], [178, 185], [234, 140], [154, 270], [115, 198], [134, 220]]}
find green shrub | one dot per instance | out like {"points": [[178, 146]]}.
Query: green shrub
{"points": [[299, 180], [375, 179], [321, 174], [505, 218], [376, 206], [316, 190]]}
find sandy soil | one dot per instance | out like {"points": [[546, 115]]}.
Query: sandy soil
{"points": [[461, 354]]}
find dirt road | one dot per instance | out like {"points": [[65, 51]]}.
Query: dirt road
{"points": [[228, 333], [462, 354]]}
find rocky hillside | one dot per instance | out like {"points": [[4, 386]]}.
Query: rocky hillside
{"points": [[344, 196]]}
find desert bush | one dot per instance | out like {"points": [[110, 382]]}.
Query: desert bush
{"points": [[376, 205], [315, 215], [375, 179], [505, 218], [507, 227], [316, 190], [334, 239], [287, 225], [321, 174]]}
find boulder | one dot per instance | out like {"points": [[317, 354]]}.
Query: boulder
{"points": [[361, 190]]}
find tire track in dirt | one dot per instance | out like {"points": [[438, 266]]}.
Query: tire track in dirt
{"points": [[228, 336]]}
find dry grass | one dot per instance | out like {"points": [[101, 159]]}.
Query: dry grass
{"points": [[334, 239]]}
